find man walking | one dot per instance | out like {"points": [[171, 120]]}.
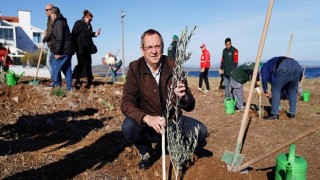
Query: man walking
{"points": [[205, 66], [62, 49]]}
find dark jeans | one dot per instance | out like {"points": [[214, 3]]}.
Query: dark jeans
{"points": [[143, 136], [287, 78], [204, 76], [63, 64]]}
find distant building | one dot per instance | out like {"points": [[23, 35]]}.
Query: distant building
{"points": [[19, 35]]}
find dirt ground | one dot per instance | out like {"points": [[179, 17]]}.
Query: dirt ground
{"points": [[43, 136]]}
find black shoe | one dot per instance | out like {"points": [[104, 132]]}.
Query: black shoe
{"points": [[145, 162], [291, 116], [272, 117]]}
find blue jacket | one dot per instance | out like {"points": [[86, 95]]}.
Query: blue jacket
{"points": [[269, 70]]}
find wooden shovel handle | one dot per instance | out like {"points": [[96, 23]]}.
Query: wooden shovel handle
{"points": [[38, 65], [244, 121]]}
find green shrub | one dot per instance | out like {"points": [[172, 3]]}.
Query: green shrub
{"points": [[31, 58]]}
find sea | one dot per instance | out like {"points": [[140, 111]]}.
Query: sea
{"points": [[310, 72]]}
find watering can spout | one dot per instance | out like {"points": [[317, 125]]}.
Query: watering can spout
{"points": [[20, 75]]}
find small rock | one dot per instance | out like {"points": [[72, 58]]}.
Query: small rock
{"points": [[156, 173], [16, 99], [118, 93]]}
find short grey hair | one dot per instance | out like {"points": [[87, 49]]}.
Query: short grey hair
{"points": [[151, 32]]}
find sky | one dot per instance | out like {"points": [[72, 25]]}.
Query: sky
{"points": [[242, 21]]}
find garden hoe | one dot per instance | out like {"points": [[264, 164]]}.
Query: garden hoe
{"points": [[35, 82], [235, 159]]}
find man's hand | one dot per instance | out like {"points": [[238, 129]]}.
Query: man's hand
{"points": [[180, 89], [268, 94], [57, 56], [202, 70], [220, 71], [158, 123]]}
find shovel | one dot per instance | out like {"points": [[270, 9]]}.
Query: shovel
{"points": [[35, 82], [235, 159]]}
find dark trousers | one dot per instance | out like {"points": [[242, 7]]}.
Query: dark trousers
{"points": [[287, 79], [221, 82], [204, 76], [143, 136], [84, 68]]}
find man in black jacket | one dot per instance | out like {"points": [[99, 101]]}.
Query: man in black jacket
{"points": [[62, 49]]}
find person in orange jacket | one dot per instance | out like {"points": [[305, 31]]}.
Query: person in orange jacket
{"points": [[204, 65]]}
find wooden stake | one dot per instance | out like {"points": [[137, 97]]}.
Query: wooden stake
{"points": [[163, 139], [290, 45]]}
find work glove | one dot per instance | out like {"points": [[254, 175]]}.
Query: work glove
{"points": [[258, 91]]}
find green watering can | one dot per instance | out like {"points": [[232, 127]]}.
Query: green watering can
{"points": [[291, 167], [306, 96], [11, 78], [229, 104]]}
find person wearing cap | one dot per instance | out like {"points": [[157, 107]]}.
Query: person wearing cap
{"points": [[283, 74], [205, 66], [229, 62], [5, 60], [172, 49]]}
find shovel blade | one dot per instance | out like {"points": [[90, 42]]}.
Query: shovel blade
{"points": [[233, 159], [33, 83]]}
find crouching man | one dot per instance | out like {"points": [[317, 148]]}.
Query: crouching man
{"points": [[144, 99]]}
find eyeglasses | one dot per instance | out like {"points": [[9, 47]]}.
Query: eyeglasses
{"points": [[150, 48], [47, 9]]}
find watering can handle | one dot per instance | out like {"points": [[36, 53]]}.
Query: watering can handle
{"points": [[290, 161], [292, 152]]}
